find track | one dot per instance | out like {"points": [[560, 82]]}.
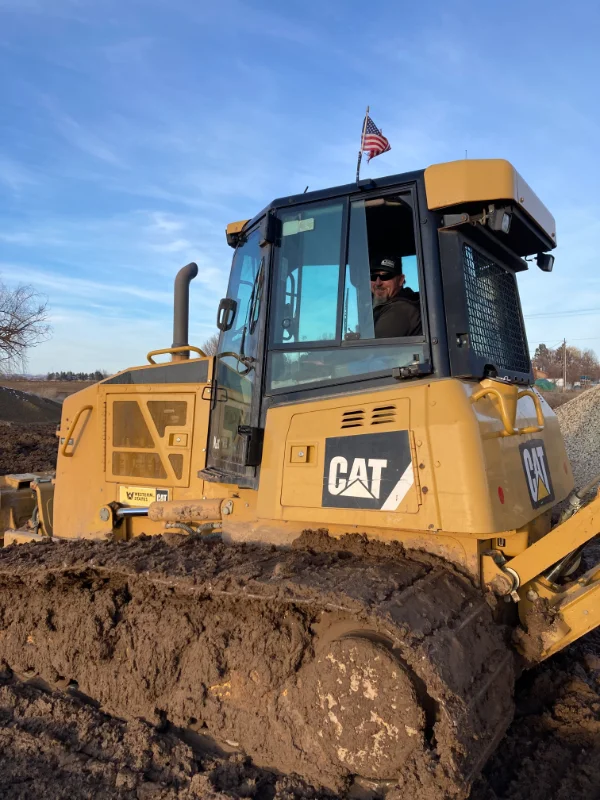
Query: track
{"points": [[343, 663]]}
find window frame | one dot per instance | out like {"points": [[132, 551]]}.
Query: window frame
{"points": [[409, 194]]}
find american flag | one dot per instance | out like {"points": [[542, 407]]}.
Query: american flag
{"points": [[373, 141]]}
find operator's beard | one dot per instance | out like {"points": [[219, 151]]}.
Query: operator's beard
{"points": [[379, 301]]}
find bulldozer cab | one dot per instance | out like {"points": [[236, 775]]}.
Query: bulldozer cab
{"points": [[298, 323]]}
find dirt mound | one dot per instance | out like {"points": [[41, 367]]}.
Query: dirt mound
{"points": [[579, 421], [23, 407], [28, 448]]}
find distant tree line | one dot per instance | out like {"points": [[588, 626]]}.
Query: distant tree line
{"points": [[580, 363], [98, 375]]}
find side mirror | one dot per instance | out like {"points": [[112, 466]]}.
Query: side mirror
{"points": [[226, 313], [545, 261]]}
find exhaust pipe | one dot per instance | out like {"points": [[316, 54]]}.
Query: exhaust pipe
{"points": [[181, 309]]}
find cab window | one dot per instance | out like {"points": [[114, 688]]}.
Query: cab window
{"points": [[331, 321]]}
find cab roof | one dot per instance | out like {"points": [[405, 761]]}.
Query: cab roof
{"points": [[455, 184]]}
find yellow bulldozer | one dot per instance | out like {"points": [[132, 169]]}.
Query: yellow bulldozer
{"points": [[326, 548]]}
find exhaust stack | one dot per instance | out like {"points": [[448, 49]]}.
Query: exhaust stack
{"points": [[181, 309]]}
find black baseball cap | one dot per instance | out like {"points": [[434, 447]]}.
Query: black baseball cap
{"points": [[391, 265]]}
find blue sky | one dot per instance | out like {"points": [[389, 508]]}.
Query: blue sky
{"points": [[132, 131]]}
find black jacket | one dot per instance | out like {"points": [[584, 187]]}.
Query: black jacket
{"points": [[400, 316]]}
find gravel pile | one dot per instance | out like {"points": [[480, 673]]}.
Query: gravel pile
{"points": [[579, 421]]}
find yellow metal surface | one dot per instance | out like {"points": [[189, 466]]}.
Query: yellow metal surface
{"points": [[86, 483], [236, 227], [561, 541], [44, 495], [68, 440], [564, 613], [484, 180], [468, 487], [22, 537], [459, 463], [506, 397], [16, 500]]}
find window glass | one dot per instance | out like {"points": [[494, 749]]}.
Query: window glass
{"points": [[381, 240], [289, 369], [234, 376], [307, 275], [380, 296]]}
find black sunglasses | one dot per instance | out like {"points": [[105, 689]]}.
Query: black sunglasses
{"points": [[383, 276]]}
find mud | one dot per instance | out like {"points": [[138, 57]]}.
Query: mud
{"points": [[56, 745], [178, 630], [28, 448]]}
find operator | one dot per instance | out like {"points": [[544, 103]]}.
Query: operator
{"points": [[396, 309]]}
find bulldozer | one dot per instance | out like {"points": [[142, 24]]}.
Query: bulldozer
{"points": [[327, 550]]}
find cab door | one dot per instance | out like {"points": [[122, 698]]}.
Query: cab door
{"points": [[234, 436]]}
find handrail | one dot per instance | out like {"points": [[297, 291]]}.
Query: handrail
{"points": [[181, 349], [65, 444], [539, 414], [509, 428]]}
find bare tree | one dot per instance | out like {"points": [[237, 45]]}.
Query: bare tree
{"points": [[211, 345], [23, 324]]}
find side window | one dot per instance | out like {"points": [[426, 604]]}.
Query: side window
{"points": [[381, 245], [245, 287], [308, 275]]}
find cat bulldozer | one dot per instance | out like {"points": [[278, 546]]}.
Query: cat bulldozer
{"points": [[325, 549]]}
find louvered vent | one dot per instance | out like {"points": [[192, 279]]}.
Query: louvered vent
{"points": [[353, 419], [383, 415]]}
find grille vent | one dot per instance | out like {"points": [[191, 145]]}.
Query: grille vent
{"points": [[353, 419], [495, 323], [383, 415]]}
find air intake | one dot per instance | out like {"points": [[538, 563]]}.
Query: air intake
{"points": [[353, 419], [383, 415]]}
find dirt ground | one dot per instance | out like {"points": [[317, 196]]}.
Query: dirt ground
{"points": [[27, 448]]}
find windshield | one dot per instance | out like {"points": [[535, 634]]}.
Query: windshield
{"points": [[346, 276]]}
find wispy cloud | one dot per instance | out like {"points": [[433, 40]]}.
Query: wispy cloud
{"points": [[16, 176], [79, 287], [83, 138], [133, 132]]}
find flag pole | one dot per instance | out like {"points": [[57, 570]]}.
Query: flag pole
{"points": [[360, 152]]}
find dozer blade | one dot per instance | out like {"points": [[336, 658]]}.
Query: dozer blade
{"points": [[346, 661]]}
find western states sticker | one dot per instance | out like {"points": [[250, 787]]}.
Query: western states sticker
{"points": [[372, 470], [537, 472], [140, 496]]}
